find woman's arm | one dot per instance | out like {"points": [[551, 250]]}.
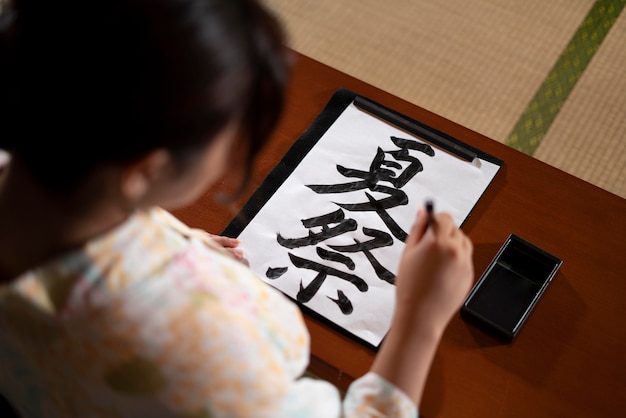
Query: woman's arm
{"points": [[434, 276]]}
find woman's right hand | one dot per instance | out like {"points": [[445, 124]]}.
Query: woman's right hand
{"points": [[435, 273]]}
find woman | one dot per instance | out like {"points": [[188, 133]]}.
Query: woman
{"points": [[114, 112]]}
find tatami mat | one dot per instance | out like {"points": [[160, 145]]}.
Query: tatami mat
{"points": [[588, 138], [478, 63]]}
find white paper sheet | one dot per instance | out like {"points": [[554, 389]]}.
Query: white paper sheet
{"points": [[353, 142]]}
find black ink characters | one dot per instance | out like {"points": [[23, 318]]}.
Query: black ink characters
{"points": [[334, 224]]}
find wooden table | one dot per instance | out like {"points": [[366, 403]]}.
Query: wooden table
{"points": [[570, 358]]}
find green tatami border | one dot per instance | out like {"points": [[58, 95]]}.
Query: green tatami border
{"points": [[562, 78]]}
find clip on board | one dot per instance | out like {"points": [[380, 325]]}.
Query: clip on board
{"points": [[328, 224]]}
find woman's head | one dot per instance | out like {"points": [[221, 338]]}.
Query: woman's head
{"points": [[91, 83]]}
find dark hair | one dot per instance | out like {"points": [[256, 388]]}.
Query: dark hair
{"points": [[87, 82]]}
